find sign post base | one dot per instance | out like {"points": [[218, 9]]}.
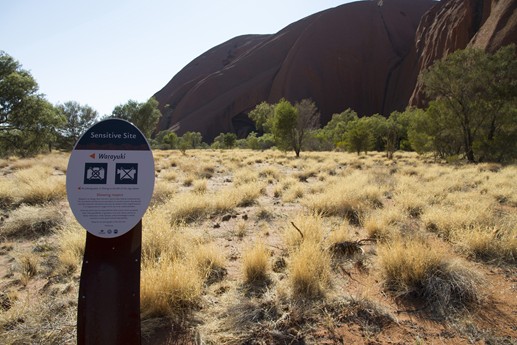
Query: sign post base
{"points": [[109, 290]]}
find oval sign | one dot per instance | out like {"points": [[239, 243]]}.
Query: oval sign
{"points": [[110, 178]]}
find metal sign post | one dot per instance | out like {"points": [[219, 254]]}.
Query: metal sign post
{"points": [[109, 292], [109, 182]]}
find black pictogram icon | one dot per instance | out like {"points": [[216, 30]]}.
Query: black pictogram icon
{"points": [[95, 173], [126, 173]]}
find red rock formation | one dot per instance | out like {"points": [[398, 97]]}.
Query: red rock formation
{"points": [[364, 55], [348, 56], [457, 24], [499, 28]]}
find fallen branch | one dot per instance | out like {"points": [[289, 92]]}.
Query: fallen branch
{"points": [[301, 234]]}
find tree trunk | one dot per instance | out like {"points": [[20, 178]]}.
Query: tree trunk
{"points": [[469, 151], [467, 138]]}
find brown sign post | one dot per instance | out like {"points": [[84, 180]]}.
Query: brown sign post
{"points": [[109, 290], [110, 180]]}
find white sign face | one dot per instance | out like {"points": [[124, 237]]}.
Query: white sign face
{"points": [[108, 188]]}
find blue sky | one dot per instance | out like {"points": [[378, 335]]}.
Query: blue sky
{"points": [[106, 52]]}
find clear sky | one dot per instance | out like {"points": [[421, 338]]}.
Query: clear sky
{"points": [[105, 52]]}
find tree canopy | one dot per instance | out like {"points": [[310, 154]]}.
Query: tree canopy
{"points": [[78, 119], [225, 141], [474, 104], [145, 116], [261, 116], [289, 124], [28, 122]]}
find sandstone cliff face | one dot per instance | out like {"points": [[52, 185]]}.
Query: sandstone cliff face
{"points": [[499, 28], [456, 24], [364, 55], [348, 56]]}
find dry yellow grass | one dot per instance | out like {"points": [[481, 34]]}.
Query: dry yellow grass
{"points": [[169, 288], [457, 212], [309, 271], [205, 170], [304, 228], [38, 185], [245, 176], [7, 193], [59, 161], [409, 197], [34, 180], [269, 172], [293, 192], [500, 185], [210, 261], [377, 227], [309, 260], [238, 196], [426, 269], [28, 266], [163, 191], [495, 243], [349, 197], [16, 163], [194, 263], [168, 175], [188, 207], [256, 265], [174, 266], [39, 319], [32, 221], [199, 203], [341, 234], [161, 238], [200, 186], [71, 241], [241, 229]]}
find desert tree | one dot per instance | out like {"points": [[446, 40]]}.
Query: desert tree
{"points": [[291, 123], [334, 130], [402, 121], [283, 124], [190, 140], [308, 119], [379, 129], [145, 115], [225, 141], [166, 140], [78, 119], [391, 137], [28, 122], [358, 136], [474, 97], [261, 115]]}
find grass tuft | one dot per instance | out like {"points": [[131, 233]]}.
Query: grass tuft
{"points": [[170, 288], [256, 265], [32, 221], [309, 271], [163, 191], [210, 262], [304, 228], [37, 185], [491, 244], [71, 239], [413, 268]]}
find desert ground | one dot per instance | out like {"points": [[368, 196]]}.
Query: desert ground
{"points": [[250, 247]]}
